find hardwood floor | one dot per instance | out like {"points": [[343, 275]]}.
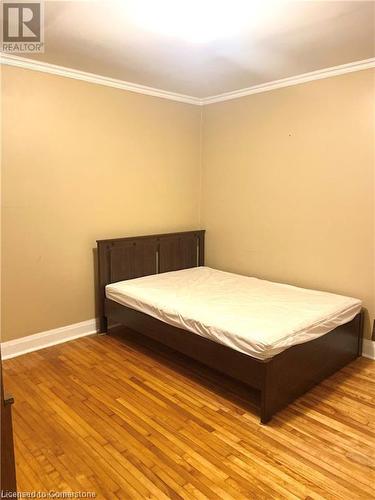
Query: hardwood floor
{"points": [[109, 415]]}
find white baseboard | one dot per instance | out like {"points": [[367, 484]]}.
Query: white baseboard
{"points": [[368, 350], [13, 348], [31, 343]]}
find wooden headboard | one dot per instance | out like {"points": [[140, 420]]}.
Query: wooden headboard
{"points": [[127, 258]]}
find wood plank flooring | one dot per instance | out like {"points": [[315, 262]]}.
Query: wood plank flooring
{"points": [[109, 415]]}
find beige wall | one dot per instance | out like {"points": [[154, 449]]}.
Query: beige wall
{"points": [[288, 185], [82, 162]]}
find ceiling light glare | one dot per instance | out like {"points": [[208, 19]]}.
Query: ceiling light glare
{"points": [[195, 21]]}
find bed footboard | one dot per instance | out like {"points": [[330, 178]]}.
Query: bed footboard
{"points": [[296, 370]]}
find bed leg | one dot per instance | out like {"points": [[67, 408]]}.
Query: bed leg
{"points": [[103, 325], [360, 323], [267, 395], [265, 411], [264, 419]]}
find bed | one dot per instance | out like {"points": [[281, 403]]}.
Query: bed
{"points": [[278, 339]]}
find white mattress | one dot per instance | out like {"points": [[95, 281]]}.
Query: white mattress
{"points": [[253, 316]]}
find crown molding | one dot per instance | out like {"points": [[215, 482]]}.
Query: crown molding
{"points": [[23, 62], [294, 80]]}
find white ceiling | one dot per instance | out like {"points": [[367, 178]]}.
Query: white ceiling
{"points": [[235, 48]]}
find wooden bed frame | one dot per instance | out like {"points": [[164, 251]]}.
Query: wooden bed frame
{"points": [[278, 380]]}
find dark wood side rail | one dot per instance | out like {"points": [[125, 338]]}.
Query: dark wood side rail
{"points": [[279, 380], [8, 467]]}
